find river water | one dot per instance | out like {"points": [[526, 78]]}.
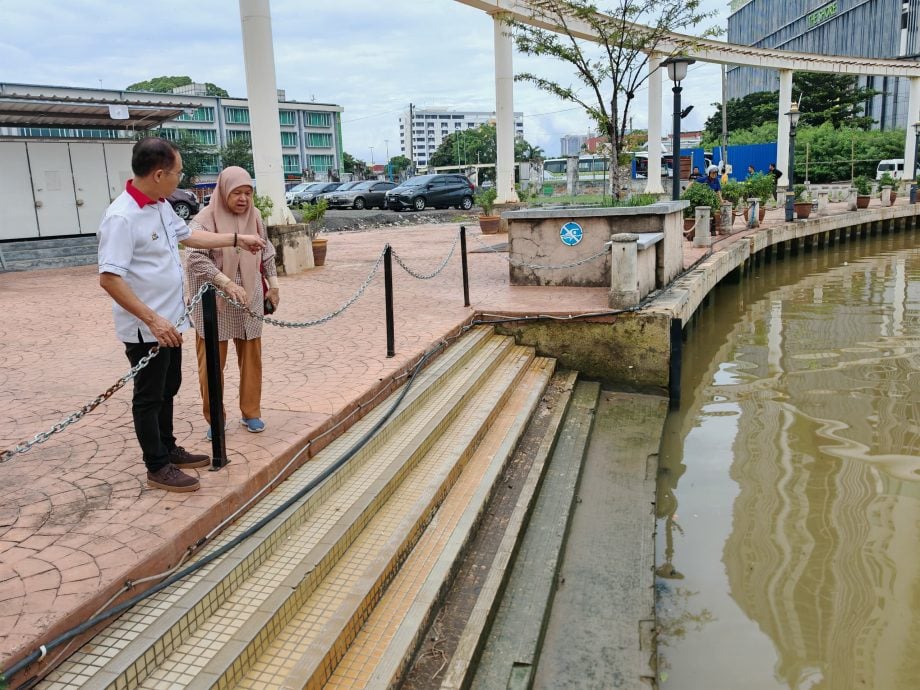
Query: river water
{"points": [[788, 545]]}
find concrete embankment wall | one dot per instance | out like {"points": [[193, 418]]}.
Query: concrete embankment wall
{"points": [[640, 350]]}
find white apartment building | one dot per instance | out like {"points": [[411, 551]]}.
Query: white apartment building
{"points": [[311, 133], [429, 127]]}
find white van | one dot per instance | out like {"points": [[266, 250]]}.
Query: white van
{"points": [[892, 166]]}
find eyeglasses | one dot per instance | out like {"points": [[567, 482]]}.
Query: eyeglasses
{"points": [[173, 172]]}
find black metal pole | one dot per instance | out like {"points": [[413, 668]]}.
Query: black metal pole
{"points": [[790, 193], [913, 173], [466, 271], [215, 387], [674, 364], [388, 295], [675, 145]]}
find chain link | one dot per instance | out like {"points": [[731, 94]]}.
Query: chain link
{"points": [[315, 322], [604, 252], [427, 276], [99, 399]]}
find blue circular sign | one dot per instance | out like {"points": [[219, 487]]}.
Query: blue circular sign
{"points": [[570, 234]]}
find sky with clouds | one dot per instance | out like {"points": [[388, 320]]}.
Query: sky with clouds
{"points": [[370, 57]]}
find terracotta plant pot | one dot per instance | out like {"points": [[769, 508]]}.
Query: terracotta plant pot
{"points": [[490, 225], [761, 214], [862, 200], [688, 228], [319, 251], [802, 209]]}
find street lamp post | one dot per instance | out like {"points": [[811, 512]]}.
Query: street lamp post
{"points": [[793, 115], [372, 154], [913, 173], [677, 70], [386, 143]]}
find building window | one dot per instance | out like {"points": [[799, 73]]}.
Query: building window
{"points": [[291, 163], [203, 114], [237, 116], [59, 133], [316, 140], [287, 117], [210, 165], [317, 119], [208, 137], [235, 135], [289, 140], [458, 117], [321, 163]]}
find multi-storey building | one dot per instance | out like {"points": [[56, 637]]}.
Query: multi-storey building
{"points": [[311, 133], [865, 28], [420, 137], [572, 144]]}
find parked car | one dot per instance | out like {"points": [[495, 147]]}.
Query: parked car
{"points": [[366, 194], [439, 191], [293, 191], [310, 194], [184, 203], [341, 188]]}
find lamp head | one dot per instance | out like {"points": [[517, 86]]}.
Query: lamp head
{"points": [[794, 114], [917, 127], [677, 67]]}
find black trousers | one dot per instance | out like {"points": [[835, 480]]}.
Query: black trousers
{"points": [[155, 386]]}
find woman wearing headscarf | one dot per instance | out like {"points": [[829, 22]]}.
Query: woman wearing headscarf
{"points": [[238, 274]]}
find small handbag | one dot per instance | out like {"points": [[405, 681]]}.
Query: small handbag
{"points": [[267, 306]]}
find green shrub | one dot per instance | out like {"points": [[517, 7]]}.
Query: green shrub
{"points": [[313, 212], [863, 186], [760, 186], [699, 194], [733, 192], [801, 192], [886, 181], [264, 203], [634, 200], [486, 200]]}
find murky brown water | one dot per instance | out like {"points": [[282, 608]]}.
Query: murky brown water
{"points": [[789, 492]]}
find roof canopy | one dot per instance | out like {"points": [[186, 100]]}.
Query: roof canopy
{"points": [[45, 111]]}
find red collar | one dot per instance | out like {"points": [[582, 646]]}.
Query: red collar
{"points": [[136, 194]]}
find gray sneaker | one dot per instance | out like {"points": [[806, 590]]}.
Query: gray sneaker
{"points": [[171, 478]]}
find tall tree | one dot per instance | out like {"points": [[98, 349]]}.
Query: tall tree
{"points": [[238, 152], [166, 84], [750, 111], [478, 145], [610, 71], [399, 164], [195, 158]]}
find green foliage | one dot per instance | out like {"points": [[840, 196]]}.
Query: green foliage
{"points": [[699, 194], [399, 164], [166, 84], [634, 200], [608, 73], [486, 200], [239, 153], [801, 192], [830, 150], [733, 192], [477, 145], [313, 212], [886, 181], [195, 156], [745, 113], [264, 203], [759, 185], [353, 165], [863, 185]]}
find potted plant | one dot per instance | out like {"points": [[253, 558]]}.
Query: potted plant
{"points": [[863, 191], [312, 215], [802, 201], [888, 181], [698, 194], [759, 186], [488, 223], [733, 193]]}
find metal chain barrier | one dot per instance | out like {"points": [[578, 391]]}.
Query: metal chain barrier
{"points": [[99, 399], [427, 276], [314, 322], [604, 252]]}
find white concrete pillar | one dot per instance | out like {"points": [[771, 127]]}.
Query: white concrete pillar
{"points": [[753, 220], [261, 89], [702, 236], [624, 271], [653, 183], [571, 175], [727, 218], [910, 139], [782, 135], [823, 200], [504, 112], [886, 195]]}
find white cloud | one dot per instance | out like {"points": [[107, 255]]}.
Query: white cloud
{"points": [[371, 57]]}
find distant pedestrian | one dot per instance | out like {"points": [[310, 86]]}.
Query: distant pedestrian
{"points": [[711, 179], [751, 170], [140, 268], [695, 174], [776, 175]]}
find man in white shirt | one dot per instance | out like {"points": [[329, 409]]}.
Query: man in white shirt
{"points": [[140, 268]]}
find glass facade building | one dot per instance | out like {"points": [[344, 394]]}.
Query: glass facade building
{"points": [[863, 28]]}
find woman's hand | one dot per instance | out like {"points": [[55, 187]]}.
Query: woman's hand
{"points": [[274, 296], [237, 293]]}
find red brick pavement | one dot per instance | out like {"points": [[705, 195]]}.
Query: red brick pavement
{"points": [[76, 516]]}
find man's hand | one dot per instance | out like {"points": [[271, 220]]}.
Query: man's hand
{"points": [[164, 331], [253, 243]]}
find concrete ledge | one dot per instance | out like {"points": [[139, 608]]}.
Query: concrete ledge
{"points": [[293, 247]]}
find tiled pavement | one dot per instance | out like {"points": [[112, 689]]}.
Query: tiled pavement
{"points": [[76, 516]]}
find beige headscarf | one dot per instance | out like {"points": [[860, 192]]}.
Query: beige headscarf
{"points": [[217, 217]]}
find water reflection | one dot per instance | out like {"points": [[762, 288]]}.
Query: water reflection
{"points": [[789, 491]]}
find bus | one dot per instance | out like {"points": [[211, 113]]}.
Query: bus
{"points": [[590, 167], [641, 165]]}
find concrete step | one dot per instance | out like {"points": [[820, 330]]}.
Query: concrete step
{"points": [[323, 563], [48, 253]]}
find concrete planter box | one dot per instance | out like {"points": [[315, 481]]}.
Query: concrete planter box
{"points": [[534, 239], [293, 247]]}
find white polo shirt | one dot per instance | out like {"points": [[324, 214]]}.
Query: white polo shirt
{"points": [[139, 241]]}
